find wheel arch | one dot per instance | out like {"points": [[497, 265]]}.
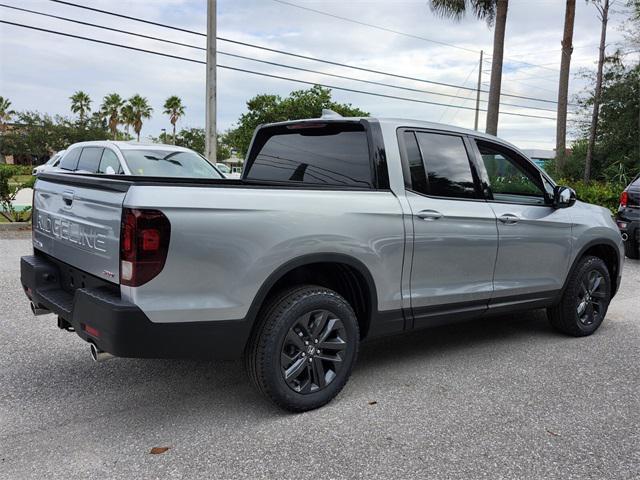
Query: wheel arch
{"points": [[605, 249], [343, 273]]}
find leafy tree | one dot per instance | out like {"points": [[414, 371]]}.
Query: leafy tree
{"points": [[36, 136], [493, 11], [80, 104], [616, 151], [140, 110], [111, 106], [603, 11], [175, 109], [194, 138], [5, 112], [268, 108]]}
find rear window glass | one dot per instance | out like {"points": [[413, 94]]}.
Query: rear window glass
{"points": [[448, 168], [70, 159], [167, 163], [315, 154], [90, 159]]}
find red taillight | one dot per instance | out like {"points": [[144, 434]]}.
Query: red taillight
{"points": [[144, 243], [624, 198]]}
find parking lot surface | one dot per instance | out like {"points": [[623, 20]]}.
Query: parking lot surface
{"points": [[505, 397]]}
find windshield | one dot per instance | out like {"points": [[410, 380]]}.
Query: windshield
{"points": [[167, 163]]}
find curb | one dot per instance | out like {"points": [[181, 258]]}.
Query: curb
{"points": [[15, 227]]}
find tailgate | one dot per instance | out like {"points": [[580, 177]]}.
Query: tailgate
{"points": [[78, 222]]}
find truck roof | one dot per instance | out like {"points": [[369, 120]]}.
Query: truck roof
{"points": [[400, 123]]}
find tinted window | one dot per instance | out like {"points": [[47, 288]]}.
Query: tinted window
{"points": [[109, 159], [325, 154], [416, 168], [167, 163], [70, 159], [448, 168], [90, 159], [510, 181]]}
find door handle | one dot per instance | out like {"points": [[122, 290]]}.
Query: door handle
{"points": [[67, 196], [429, 215], [509, 218]]}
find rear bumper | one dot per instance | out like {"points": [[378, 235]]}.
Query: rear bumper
{"points": [[100, 316]]}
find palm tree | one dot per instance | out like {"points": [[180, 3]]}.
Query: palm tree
{"points": [[494, 12], [603, 13], [5, 112], [175, 109], [563, 85], [80, 104], [140, 109], [126, 116], [111, 105]]}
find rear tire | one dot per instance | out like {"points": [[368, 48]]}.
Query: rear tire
{"points": [[302, 353], [632, 249], [585, 300]]}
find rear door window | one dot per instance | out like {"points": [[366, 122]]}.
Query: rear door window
{"points": [[70, 159], [90, 159], [447, 164], [335, 154]]}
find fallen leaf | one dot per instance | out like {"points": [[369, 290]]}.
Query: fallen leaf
{"points": [[373, 402], [553, 433], [158, 450]]}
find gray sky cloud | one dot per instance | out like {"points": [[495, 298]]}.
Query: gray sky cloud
{"points": [[40, 71]]}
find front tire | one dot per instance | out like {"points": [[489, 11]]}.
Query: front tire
{"points": [[303, 352], [585, 300]]}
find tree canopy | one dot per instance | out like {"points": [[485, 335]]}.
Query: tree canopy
{"points": [[267, 108]]}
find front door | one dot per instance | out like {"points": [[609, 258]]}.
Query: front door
{"points": [[455, 233], [534, 239]]}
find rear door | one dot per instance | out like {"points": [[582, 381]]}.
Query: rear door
{"points": [[79, 224], [455, 235]]}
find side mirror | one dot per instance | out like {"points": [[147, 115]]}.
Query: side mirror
{"points": [[563, 197]]}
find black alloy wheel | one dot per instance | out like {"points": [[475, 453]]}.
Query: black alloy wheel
{"points": [[312, 351]]}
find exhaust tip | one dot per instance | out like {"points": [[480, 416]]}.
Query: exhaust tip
{"points": [[98, 355], [625, 237]]}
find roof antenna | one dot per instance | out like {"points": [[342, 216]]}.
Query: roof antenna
{"points": [[328, 113]]}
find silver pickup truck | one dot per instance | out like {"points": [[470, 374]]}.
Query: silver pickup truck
{"points": [[340, 230]]}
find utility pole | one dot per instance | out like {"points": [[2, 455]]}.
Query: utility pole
{"points": [[475, 124], [210, 116]]}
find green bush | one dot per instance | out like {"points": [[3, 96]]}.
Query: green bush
{"points": [[605, 194], [13, 170], [9, 190]]}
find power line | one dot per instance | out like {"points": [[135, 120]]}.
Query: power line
{"points": [[296, 55], [177, 57], [243, 57], [397, 32], [378, 27]]}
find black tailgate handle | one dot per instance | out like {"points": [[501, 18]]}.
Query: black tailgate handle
{"points": [[67, 196]]}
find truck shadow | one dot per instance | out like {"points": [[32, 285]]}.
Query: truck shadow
{"points": [[455, 339], [157, 391]]}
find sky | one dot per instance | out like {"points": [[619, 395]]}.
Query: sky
{"points": [[39, 71]]}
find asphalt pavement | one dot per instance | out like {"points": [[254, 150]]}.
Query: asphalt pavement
{"points": [[505, 397]]}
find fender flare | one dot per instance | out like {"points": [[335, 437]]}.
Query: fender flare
{"points": [[593, 243], [290, 265]]}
